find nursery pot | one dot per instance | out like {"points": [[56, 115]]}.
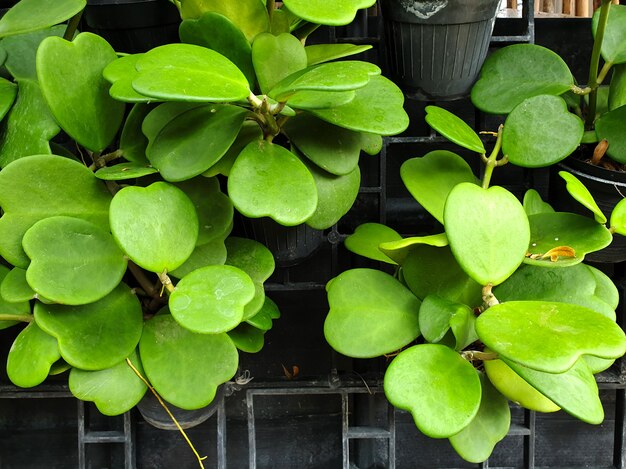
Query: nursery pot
{"points": [[607, 187], [133, 26], [435, 48], [153, 413]]}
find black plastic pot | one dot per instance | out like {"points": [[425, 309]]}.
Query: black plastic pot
{"points": [[153, 413], [435, 48], [607, 187], [132, 26]]}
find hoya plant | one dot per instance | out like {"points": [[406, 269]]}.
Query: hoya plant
{"points": [[497, 307], [123, 278], [548, 114]]}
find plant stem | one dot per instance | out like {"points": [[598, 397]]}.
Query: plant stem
{"points": [[142, 278], [270, 5], [305, 30], [489, 299], [492, 161], [16, 317], [167, 282], [595, 62], [471, 355], [180, 429], [72, 26]]}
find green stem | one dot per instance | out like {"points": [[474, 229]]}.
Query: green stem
{"points": [[16, 317], [472, 355], [492, 161], [72, 26], [305, 30], [167, 282], [595, 62], [270, 5]]}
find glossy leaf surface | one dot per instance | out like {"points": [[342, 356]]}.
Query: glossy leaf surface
{"points": [[276, 57], [8, 93], [437, 316], [618, 218], [31, 15], [263, 320], [399, 250], [121, 73], [22, 49], [211, 253], [32, 354], [366, 239], [133, 142], [338, 13], [580, 193], [534, 204], [617, 90], [247, 338], [14, 288], [610, 126], [123, 171], [454, 129], [319, 53], [613, 47]]}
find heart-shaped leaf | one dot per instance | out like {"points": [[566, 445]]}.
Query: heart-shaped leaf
{"points": [[432, 270], [617, 90], [97, 335], [217, 32], [549, 336], [276, 57], [211, 253], [22, 49], [376, 108], [439, 388], [498, 239], [211, 300], [263, 320], [613, 48], [559, 239], [454, 129], [618, 217], [70, 76], [371, 314], [575, 391], [14, 287], [579, 192], [399, 250], [186, 72], [430, 178], [185, 367], [133, 142], [366, 239], [156, 226], [247, 338], [32, 354], [29, 124], [250, 16], [515, 388], [123, 171], [610, 126], [437, 316], [31, 15], [250, 132], [476, 442], [121, 73], [114, 390], [332, 148], [43, 186], [540, 131], [339, 13], [269, 180], [319, 53], [518, 72], [73, 261], [534, 204]]}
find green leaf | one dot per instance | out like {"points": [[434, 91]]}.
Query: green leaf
{"points": [[8, 93], [269, 180], [121, 73], [574, 285], [186, 72], [497, 241], [371, 314], [32, 354], [332, 148], [217, 32], [605, 288], [613, 47], [276, 57], [338, 13], [540, 131], [156, 226], [123, 171], [211, 253], [377, 108], [31, 15], [247, 338], [309, 100], [332, 76], [335, 196], [162, 115], [97, 335], [114, 390], [580, 193], [437, 386], [195, 140], [476, 442], [551, 231], [22, 49], [454, 129], [432, 270], [263, 320], [211, 300], [133, 142], [617, 90], [610, 126], [618, 218], [534, 204], [14, 288], [399, 250], [319, 53], [29, 124], [73, 261], [371, 144], [518, 72], [250, 16], [549, 336], [368, 237], [437, 316], [185, 367], [250, 132], [70, 76], [43, 186], [430, 178], [575, 391]]}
